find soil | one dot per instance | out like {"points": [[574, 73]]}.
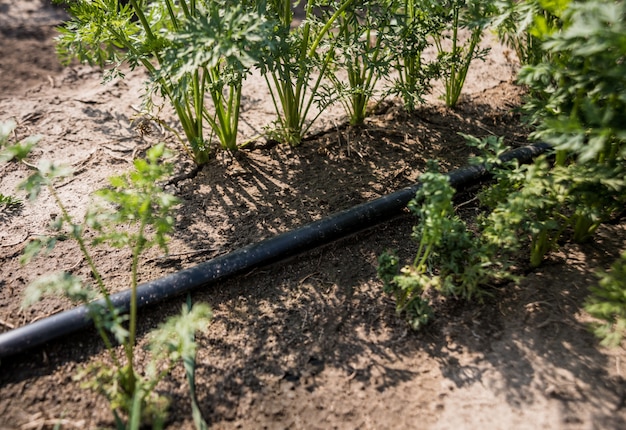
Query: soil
{"points": [[311, 342]]}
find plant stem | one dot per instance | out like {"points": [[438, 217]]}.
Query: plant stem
{"points": [[132, 330], [452, 79], [92, 266], [292, 90], [144, 22]]}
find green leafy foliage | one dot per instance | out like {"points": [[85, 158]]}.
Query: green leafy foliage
{"points": [[136, 198], [359, 51], [523, 25], [141, 408], [187, 47], [452, 16], [608, 304], [580, 100], [213, 52], [58, 284], [45, 174], [508, 175], [450, 259], [294, 71], [9, 201], [534, 206], [407, 37], [407, 288], [134, 213], [175, 339], [19, 150], [578, 106], [172, 342], [11, 150], [528, 215], [190, 48]]}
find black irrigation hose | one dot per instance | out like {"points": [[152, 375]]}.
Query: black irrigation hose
{"points": [[267, 251]]}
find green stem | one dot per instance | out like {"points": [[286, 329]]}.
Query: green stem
{"points": [[186, 11], [452, 78], [198, 103], [226, 121], [94, 270], [292, 92], [462, 74], [185, 116], [170, 11], [327, 27], [132, 330], [142, 18]]}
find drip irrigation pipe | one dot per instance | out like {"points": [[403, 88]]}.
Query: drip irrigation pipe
{"points": [[268, 251]]}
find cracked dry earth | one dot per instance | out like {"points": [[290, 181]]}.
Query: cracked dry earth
{"points": [[310, 342]]}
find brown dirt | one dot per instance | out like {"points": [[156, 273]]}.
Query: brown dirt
{"points": [[310, 342]]}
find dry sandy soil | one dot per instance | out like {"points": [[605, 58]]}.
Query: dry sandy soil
{"points": [[310, 342]]}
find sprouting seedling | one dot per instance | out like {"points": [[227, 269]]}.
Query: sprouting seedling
{"points": [[13, 151]]}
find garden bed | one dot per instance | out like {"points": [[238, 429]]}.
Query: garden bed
{"points": [[310, 342]]}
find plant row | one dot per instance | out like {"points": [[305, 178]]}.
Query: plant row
{"points": [[576, 77], [198, 54]]}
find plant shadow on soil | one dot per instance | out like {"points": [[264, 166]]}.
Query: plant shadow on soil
{"points": [[261, 192], [274, 333], [311, 342], [286, 327]]}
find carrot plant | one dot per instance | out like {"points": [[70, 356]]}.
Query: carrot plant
{"points": [[134, 212], [522, 25], [212, 53], [450, 259], [188, 48], [454, 16], [407, 37], [607, 303], [359, 50], [578, 106], [294, 71]]}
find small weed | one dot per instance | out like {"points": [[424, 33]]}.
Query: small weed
{"points": [[13, 151], [450, 259], [134, 213], [9, 202]]}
